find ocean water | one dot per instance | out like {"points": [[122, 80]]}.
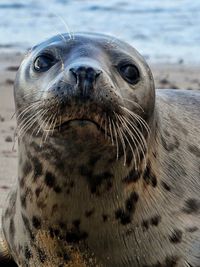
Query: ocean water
{"points": [[161, 30]]}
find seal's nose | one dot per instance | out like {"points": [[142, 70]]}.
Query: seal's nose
{"points": [[85, 78]]}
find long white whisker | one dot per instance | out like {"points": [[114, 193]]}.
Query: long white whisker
{"points": [[41, 119], [25, 123], [143, 122], [142, 142], [122, 141], [117, 144], [47, 131], [111, 133], [71, 36], [134, 103], [129, 133]]}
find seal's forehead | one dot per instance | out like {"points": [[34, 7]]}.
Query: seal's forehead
{"points": [[90, 39]]}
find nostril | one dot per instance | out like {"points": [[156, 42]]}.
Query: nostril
{"points": [[73, 71], [98, 73]]}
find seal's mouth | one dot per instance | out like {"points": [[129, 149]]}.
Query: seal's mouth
{"points": [[79, 122]]}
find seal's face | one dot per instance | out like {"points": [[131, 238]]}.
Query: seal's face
{"points": [[90, 80]]}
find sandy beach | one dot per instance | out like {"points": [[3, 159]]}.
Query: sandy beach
{"points": [[179, 76]]}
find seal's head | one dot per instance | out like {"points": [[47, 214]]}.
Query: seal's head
{"points": [[89, 80]]}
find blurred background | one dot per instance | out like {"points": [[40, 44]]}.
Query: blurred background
{"points": [[165, 32], [162, 30]]}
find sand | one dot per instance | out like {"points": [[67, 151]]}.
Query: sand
{"points": [[177, 76]]}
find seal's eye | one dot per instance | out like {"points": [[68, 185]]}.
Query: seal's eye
{"points": [[43, 63], [130, 73]]}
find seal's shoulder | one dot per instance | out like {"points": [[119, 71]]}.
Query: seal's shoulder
{"points": [[180, 94], [179, 107], [187, 100]]}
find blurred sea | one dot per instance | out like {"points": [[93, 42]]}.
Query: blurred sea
{"points": [[162, 30]]}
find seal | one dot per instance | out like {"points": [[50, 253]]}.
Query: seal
{"points": [[108, 167]]}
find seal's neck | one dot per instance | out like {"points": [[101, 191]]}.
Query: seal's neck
{"points": [[82, 190]]}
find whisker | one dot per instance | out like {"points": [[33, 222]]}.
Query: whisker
{"points": [[134, 103], [123, 143], [28, 124], [111, 133], [26, 121], [142, 142], [117, 144], [47, 131], [129, 132], [143, 122], [41, 119], [32, 106], [106, 135], [71, 35]]}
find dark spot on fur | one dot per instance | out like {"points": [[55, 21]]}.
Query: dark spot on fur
{"points": [[176, 236], [27, 168], [22, 182], [23, 200], [130, 202], [97, 182], [27, 226], [36, 222], [105, 217], [170, 145], [94, 159], [132, 177], [36, 147], [54, 232], [57, 189], [66, 257], [27, 252], [85, 171], [123, 216], [42, 255], [154, 154], [192, 205], [71, 184], [54, 209], [26, 195], [155, 220], [50, 179], [149, 176], [194, 150], [171, 261], [192, 229], [75, 234], [145, 224], [76, 223], [37, 168], [166, 133], [62, 225], [12, 228], [166, 186], [88, 213], [38, 191]]}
